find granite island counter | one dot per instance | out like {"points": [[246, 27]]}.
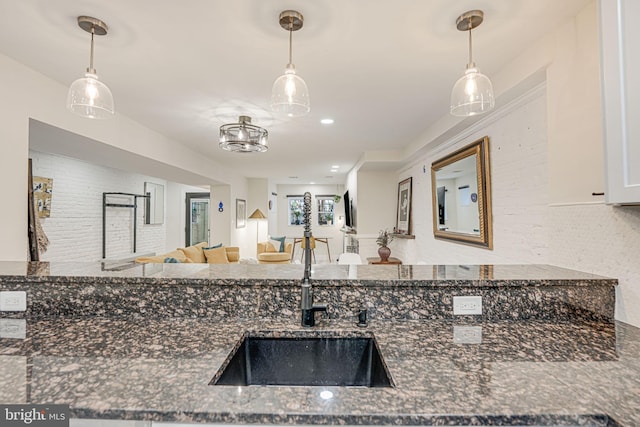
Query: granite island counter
{"points": [[554, 363]]}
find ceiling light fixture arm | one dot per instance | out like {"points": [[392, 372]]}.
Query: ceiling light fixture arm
{"points": [[290, 45], [470, 64], [91, 69], [291, 21], [467, 22], [92, 26]]}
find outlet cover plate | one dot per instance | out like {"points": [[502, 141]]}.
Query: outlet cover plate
{"points": [[13, 328], [467, 334], [467, 305], [13, 301]]}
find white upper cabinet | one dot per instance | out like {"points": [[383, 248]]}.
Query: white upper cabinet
{"points": [[620, 68]]}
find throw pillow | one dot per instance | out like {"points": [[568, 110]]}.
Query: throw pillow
{"points": [[278, 243], [194, 253], [172, 260], [179, 255], [216, 256], [219, 245]]}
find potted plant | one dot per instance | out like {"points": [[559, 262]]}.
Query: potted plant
{"points": [[383, 240], [297, 214]]}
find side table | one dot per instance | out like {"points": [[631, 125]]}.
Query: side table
{"points": [[378, 261]]}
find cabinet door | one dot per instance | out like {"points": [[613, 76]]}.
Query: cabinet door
{"points": [[620, 59]]}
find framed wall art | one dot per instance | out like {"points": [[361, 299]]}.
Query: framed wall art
{"points": [[42, 193], [241, 213], [403, 222]]}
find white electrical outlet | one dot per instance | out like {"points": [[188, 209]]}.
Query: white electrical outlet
{"points": [[467, 305], [467, 334], [13, 328], [13, 301]]}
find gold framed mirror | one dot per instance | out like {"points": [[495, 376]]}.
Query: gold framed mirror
{"points": [[461, 195]]}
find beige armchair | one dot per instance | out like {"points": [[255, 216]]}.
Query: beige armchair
{"points": [[267, 254]]}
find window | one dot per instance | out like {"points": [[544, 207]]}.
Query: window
{"points": [[326, 205], [295, 210]]}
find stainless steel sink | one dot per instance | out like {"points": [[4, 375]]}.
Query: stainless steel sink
{"points": [[305, 361]]}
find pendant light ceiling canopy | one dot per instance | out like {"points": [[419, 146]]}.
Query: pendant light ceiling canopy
{"points": [[88, 96], [290, 96], [243, 137], [473, 92]]}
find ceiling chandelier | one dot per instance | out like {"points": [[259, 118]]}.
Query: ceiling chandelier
{"points": [[243, 137], [88, 96], [473, 92], [290, 95]]}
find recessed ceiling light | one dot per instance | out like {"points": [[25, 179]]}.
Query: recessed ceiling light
{"points": [[312, 183], [327, 121], [334, 166]]}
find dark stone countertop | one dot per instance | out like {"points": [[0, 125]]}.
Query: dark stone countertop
{"points": [[159, 369], [142, 342], [508, 292]]}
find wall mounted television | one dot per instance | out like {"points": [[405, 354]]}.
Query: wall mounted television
{"points": [[348, 217]]}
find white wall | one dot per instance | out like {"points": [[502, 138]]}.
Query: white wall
{"points": [[604, 240], [74, 227], [546, 159], [272, 213], [590, 237], [376, 208], [19, 85], [377, 205], [518, 161]]}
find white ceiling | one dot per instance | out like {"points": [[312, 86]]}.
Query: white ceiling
{"points": [[383, 69]]}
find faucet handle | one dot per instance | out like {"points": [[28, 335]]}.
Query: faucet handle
{"points": [[319, 307], [362, 318]]}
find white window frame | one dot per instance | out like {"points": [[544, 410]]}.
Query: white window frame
{"points": [[321, 210], [292, 219]]}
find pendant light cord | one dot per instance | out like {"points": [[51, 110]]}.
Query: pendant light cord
{"points": [[91, 69], [290, 38], [470, 64]]}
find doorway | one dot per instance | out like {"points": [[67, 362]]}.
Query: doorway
{"points": [[197, 218]]}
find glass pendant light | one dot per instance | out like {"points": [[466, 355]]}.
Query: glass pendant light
{"points": [[473, 92], [290, 96], [243, 137], [88, 96]]}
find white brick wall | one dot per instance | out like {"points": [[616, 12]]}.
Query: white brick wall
{"points": [[604, 240], [519, 191], [594, 238], [75, 226]]}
